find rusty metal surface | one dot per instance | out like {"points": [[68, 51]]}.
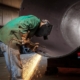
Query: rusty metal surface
{"points": [[54, 11]]}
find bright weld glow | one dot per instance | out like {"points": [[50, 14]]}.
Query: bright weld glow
{"points": [[31, 66]]}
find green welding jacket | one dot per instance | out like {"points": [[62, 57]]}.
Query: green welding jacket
{"points": [[19, 25]]}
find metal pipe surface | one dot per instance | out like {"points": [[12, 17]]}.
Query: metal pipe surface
{"points": [[65, 17]]}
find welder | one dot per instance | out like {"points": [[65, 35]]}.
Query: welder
{"points": [[18, 32]]}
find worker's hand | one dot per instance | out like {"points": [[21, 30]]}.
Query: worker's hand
{"points": [[35, 47], [37, 43], [25, 41]]}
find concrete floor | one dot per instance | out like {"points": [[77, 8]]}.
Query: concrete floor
{"points": [[64, 73]]}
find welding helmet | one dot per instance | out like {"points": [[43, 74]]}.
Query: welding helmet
{"points": [[44, 30]]}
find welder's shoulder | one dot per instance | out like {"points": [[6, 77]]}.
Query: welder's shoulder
{"points": [[32, 21], [31, 17]]}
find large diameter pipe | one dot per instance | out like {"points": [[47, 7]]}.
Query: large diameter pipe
{"points": [[65, 17]]}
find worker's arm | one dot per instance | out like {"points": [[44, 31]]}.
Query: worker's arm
{"points": [[25, 39], [30, 23]]}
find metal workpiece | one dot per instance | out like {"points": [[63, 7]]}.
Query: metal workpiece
{"points": [[64, 15], [70, 25]]}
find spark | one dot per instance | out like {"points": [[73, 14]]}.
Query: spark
{"points": [[31, 66]]}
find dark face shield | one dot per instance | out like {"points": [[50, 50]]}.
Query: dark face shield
{"points": [[44, 31]]}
